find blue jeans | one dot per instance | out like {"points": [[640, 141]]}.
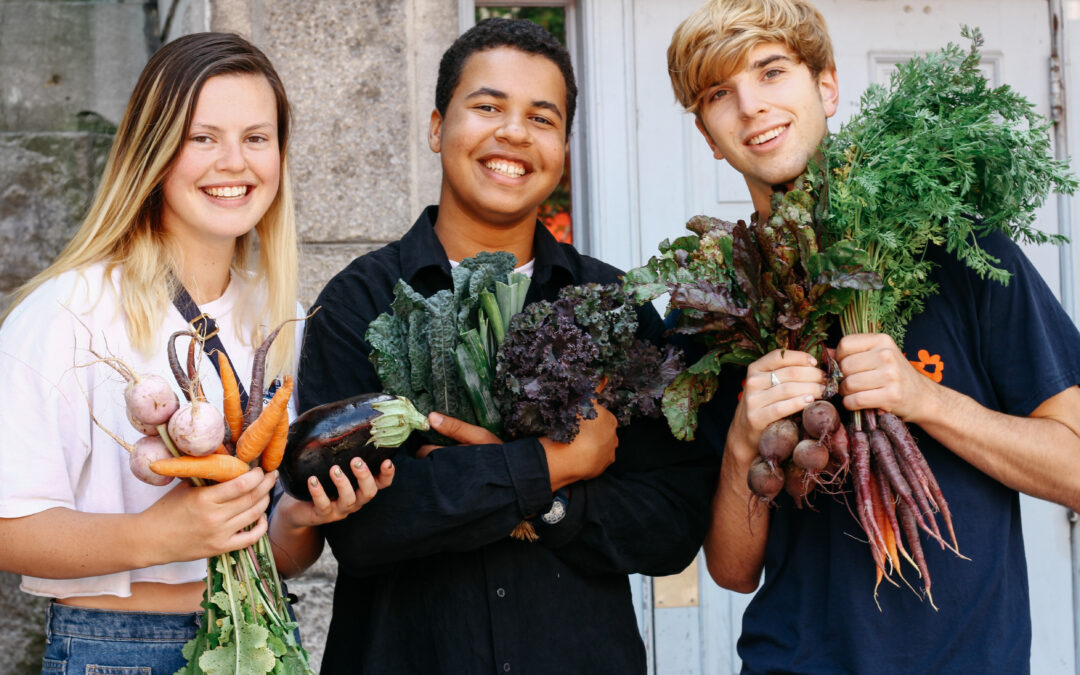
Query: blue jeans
{"points": [[105, 642]]}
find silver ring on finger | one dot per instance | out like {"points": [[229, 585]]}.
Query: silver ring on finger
{"points": [[773, 379]]}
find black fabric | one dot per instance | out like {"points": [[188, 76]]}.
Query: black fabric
{"points": [[1008, 347], [429, 581]]}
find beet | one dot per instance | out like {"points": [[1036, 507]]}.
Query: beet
{"points": [[778, 440], [820, 419], [765, 480], [372, 427], [811, 455]]}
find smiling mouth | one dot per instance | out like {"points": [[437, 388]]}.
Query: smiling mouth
{"points": [[767, 136], [506, 167], [229, 192]]}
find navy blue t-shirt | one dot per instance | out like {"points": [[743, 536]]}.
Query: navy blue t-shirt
{"points": [[1008, 347]]}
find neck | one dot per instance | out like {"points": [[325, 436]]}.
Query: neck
{"points": [[463, 235], [205, 272]]}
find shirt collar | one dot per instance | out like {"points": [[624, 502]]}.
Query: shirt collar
{"points": [[421, 249]]}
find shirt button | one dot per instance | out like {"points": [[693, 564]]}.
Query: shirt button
{"points": [[502, 594], [506, 667]]}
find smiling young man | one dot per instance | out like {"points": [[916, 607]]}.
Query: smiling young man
{"points": [[999, 415], [430, 580]]}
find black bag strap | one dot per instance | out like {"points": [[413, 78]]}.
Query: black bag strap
{"points": [[207, 329]]}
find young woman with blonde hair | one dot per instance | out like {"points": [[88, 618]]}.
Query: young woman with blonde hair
{"points": [[194, 203]]}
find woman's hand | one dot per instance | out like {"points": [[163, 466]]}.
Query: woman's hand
{"points": [[321, 510], [189, 523]]}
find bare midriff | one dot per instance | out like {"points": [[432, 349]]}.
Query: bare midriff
{"points": [[147, 597]]}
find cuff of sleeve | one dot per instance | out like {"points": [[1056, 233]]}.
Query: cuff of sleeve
{"points": [[560, 533], [527, 465]]}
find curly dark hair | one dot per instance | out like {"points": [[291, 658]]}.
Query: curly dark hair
{"points": [[520, 34]]}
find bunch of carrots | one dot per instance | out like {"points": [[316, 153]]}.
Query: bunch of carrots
{"points": [[247, 627]]}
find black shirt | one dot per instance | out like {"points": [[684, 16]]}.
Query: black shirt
{"points": [[429, 580]]}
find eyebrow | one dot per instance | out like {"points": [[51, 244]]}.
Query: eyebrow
{"points": [[502, 96], [771, 58], [211, 127]]}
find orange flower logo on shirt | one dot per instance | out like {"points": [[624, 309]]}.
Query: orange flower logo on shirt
{"points": [[929, 365]]}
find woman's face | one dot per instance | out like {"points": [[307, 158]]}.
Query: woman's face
{"points": [[229, 166]]}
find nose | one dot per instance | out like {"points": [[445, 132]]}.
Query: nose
{"points": [[231, 156], [513, 129], [750, 101]]}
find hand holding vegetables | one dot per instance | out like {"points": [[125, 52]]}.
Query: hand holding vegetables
{"points": [[190, 523], [587, 456], [878, 375]]}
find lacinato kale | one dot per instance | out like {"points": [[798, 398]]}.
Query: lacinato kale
{"points": [[556, 354]]}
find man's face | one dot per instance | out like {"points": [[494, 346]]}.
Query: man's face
{"points": [[503, 138], [768, 119]]}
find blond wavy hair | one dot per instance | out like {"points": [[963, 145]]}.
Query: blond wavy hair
{"points": [[716, 40], [123, 227]]}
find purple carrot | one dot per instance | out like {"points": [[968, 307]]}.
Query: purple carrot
{"points": [[907, 519], [174, 363], [902, 440], [860, 455]]}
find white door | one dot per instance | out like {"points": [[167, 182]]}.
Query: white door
{"points": [[649, 171]]}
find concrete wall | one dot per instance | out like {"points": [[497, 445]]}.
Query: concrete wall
{"points": [[361, 79]]}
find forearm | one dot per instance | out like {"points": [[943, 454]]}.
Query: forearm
{"points": [[60, 543], [296, 548], [1037, 455], [458, 498], [739, 528]]}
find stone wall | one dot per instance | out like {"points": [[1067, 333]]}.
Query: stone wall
{"points": [[361, 79]]}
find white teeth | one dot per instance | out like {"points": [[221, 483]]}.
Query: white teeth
{"points": [[230, 192], [506, 168], [767, 136]]}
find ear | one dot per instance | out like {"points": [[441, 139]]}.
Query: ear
{"points": [[434, 134], [829, 89], [708, 138]]}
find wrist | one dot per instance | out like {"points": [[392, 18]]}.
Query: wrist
{"points": [[561, 470]]}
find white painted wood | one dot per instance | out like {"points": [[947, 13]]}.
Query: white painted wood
{"points": [[649, 171]]}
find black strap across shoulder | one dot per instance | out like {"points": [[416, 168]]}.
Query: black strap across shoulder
{"points": [[204, 324]]}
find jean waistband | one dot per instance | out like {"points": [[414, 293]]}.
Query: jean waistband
{"points": [[70, 621]]}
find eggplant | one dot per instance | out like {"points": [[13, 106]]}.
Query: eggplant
{"points": [[372, 427]]}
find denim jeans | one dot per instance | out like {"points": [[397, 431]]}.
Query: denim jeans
{"points": [[104, 642]]}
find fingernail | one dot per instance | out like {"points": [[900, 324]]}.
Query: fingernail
{"points": [[336, 470], [358, 464], [387, 465], [313, 481], [808, 398], [813, 361], [435, 418]]}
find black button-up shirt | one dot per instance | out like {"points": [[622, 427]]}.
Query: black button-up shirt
{"points": [[429, 580]]}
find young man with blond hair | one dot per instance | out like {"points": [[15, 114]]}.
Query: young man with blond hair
{"points": [[1003, 418]]}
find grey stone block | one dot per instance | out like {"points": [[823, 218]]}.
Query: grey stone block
{"points": [[47, 183], [60, 58], [22, 639]]}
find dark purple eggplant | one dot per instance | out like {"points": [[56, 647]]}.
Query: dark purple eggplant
{"points": [[372, 427]]}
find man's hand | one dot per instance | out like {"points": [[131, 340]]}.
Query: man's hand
{"points": [[878, 375], [462, 432], [591, 451]]}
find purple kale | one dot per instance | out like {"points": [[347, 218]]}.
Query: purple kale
{"points": [[556, 354]]}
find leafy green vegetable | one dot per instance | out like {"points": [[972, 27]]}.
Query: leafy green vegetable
{"points": [[744, 291], [940, 158], [556, 354]]}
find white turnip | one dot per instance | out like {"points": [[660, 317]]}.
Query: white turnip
{"points": [[197, 428], [149, 449]]}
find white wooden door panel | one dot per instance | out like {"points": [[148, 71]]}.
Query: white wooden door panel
{"points": [[649, 171]]}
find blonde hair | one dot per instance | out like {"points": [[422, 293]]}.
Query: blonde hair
{"points": [[123, 226], [716, 40]]}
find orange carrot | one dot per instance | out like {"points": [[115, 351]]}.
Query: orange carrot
{"points": [[258, 434], [234, 414], [221, 450], [214, 467], [271, 457]]}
